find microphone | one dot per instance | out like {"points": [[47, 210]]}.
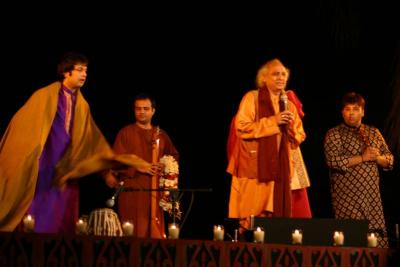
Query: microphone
{"points": [[283, 101], [111, 202]]}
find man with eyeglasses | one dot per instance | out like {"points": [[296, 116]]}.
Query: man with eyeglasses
{"points": [[49, 135]]}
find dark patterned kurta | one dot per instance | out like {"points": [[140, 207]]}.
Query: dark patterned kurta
{"points": [[355, 190]]}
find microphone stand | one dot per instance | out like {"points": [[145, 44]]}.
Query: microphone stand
{"points": [[111, 202], [176, 194]]}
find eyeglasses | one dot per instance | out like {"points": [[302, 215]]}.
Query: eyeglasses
{"points": [[81, 69]]}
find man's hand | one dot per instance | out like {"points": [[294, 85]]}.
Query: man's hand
{"points": [[284, 117], [152, 169], [110, 179], [370, 154]]}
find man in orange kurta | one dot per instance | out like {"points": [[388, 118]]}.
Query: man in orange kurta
{"points": [[141, 138], [250, 195]]}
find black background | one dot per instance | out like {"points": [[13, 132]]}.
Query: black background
{"points": [[198, 61]]}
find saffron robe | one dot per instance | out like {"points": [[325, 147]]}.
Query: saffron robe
{"points": [[248, 195], [137, 206]]}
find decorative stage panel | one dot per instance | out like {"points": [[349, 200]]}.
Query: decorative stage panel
{"points": [[29, 249]]}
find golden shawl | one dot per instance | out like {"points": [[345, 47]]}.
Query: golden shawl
{"points": [[23, 143]]}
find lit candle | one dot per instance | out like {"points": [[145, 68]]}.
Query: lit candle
{"points": [[81, 227], [173, 231], [258, 235], [372, 240], [127, 228], [29, 223], [297, 237], [338, 238], [218, 232]]}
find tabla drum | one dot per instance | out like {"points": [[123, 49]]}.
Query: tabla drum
{"points": [[104, 222]]}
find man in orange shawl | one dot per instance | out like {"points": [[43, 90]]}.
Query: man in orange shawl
{"points": [[52, 133], [268, 174]]}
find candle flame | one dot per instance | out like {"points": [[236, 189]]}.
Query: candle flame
{"points": [[336, 233]]}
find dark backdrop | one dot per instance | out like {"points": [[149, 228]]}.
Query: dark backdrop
{"points": [[198, 61]]}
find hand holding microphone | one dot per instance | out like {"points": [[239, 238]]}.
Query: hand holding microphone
{"points": [[285, 116], [283, 101]]}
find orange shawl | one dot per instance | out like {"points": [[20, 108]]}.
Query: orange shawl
{"points": [[22, 145]]}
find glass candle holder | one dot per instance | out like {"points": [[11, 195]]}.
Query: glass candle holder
{"points": [[338, 238], [235, 235], [81, 226], [29, 223], [297, 236], [251, 222], [173, 231], [259, 235], [219, 233], [372, 240], [127, 228]]}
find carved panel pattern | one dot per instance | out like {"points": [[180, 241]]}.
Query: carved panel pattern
{"points": [[20, 249]]}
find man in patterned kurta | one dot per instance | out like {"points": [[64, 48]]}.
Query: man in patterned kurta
{"points": [[353, 153]]}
